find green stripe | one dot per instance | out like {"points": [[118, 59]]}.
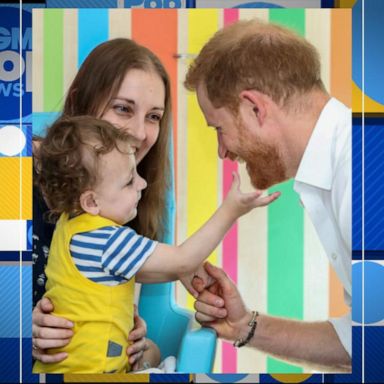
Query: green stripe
{"points": [[286, 233], [293, 18], [53, 60]]}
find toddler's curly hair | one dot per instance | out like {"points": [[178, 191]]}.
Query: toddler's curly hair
{"points": [[68, 157]]}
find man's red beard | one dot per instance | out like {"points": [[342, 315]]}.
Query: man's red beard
{"points": [[264, 162]]}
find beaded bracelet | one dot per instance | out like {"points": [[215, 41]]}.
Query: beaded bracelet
{"points": [[253, 323]]}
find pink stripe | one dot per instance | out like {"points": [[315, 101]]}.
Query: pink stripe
{"points": [[230, 16], [229, 354]]}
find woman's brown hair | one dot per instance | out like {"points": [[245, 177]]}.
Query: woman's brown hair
{"points": [[97, 81]]}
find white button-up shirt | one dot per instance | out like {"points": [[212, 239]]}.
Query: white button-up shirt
{"points": [[323, 182]]}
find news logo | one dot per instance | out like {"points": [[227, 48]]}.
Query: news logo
{"points": [[13, 66]]}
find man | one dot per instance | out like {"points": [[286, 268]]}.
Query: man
{"points": [[259, 86]]}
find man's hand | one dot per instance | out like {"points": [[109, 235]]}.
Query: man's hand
{"points": [[221, 307]]}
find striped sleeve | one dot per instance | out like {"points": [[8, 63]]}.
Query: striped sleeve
{"points": [[86, 250], [125, 252]]}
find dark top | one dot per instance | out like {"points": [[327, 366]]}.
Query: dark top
{"points": [[42, 237]]}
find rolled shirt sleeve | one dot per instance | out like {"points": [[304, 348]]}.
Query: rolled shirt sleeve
{"points": [[343, 328]]}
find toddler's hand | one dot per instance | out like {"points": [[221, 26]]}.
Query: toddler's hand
{"points": [[241, 203]]}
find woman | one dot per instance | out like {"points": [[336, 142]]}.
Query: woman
{"points": [[125, 84]]}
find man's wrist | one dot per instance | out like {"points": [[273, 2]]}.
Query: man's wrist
{"points": [[241, 327]]}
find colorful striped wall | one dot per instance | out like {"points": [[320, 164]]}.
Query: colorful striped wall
{"points": [[273, 254]]}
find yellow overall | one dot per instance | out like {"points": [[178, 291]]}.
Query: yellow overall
{"points": [[102, 315]]}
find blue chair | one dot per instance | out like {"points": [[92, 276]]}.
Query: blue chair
{"points": [[175, 331]]}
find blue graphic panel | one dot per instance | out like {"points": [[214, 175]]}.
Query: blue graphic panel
{"points": [[356, 375], [373, 292], [15, 142], [311, 379], [15, 256], [169, 378], [81, 3], [10, 302], [29, 234], [374, 354], [10, 42], [10, 371], [356, 186], [374, 184], [373, 187], [373, 52]]}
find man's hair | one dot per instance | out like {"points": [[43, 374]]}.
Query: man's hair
{"points": [[253, 55], [68, 159]]}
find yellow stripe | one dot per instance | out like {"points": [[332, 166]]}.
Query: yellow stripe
{"points": [[38, 62], [202, 158], [70, 47], [120, 23]]}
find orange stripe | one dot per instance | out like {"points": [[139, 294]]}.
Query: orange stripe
{"points": [[341, 55], [337, 306], [156, 29]]}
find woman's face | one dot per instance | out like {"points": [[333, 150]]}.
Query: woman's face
{"points": [[138, 108]]}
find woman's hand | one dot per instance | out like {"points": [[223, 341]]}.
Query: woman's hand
{"points": [[49, 331], [137, 337]]}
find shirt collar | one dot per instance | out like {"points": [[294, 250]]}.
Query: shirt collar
{"points": [[316, 165]]}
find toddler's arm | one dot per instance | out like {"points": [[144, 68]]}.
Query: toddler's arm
{"points": [[168, 263]]}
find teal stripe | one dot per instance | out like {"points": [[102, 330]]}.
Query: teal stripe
{"points": [[53, 60], [286, 233], [93, 27]]}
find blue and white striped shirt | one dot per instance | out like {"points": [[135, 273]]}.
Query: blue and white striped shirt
{"points": [[110, 255]]}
